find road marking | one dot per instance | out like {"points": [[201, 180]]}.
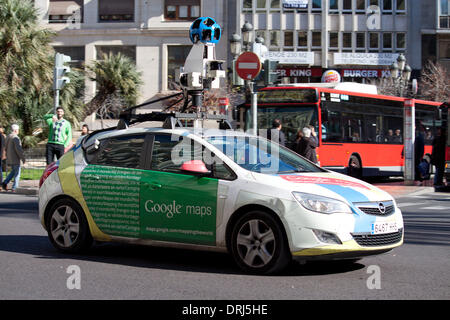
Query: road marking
{"points": [[436, 208], [409, 204]]}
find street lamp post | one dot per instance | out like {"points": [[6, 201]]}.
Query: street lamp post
{"points": [[235, 47], [400, 74]]}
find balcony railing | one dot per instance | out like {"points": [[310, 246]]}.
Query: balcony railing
{"points": [[444, 22]]}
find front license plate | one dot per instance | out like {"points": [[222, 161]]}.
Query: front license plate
{"points": [[384, 227]]}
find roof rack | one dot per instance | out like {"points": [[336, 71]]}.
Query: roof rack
{"points": [[172, 120]]}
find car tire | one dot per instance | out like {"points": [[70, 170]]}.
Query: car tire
{"points": [[67, 227], [258, 244]]}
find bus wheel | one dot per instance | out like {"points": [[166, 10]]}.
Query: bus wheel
{"points": [[354, 167]]}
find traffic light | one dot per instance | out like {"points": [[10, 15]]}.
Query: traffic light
{"points": [[60, 70], [271, 75]]}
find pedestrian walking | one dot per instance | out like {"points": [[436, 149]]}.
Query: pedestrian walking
{"points": [[419, 149], [307, 146], [275, 134], [438, 156], [14, 154], [60, 135]]}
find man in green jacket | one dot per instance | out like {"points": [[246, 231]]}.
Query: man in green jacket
{"points": [[60, 136]]}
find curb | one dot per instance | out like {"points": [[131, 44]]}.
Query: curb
{"points": [[27, 191]]}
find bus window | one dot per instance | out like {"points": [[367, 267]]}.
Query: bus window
{"points": [[425, 117], [352, 127], [332, 130]]}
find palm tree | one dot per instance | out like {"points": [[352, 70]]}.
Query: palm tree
{"points": [[115, 76], [26, 63]]}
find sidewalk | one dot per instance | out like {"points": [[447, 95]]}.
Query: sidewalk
{"points": [[27, 187], [396, 189], [399, 189]]}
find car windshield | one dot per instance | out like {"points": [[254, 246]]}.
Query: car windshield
{"points": [[258, 154]]}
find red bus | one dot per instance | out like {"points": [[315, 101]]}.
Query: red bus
{"points": [[356, 130]]}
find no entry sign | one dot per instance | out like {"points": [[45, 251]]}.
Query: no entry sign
{"points": [[248, 65]]}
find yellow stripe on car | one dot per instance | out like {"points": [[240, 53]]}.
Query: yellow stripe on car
{"points": [[347, 246], [70, 186]]}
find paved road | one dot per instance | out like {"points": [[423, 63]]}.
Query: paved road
{"points": [[32, 269]]}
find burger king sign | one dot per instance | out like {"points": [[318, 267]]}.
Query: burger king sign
{"points": [[330, 76]]}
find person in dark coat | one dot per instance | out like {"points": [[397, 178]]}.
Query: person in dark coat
{"points": [[419, 149], [2, 153], [438, 156], [275, 134], [307, 146], [298, 138], [14, 154]]}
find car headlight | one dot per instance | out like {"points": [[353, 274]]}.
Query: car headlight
{"points": [[321, 204]]}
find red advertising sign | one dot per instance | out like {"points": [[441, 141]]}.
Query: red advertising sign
{"points": [[248, 65], [300, 72]]}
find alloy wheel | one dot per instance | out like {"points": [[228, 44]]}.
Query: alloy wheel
{"points": [[256, 243], [65, 226]]}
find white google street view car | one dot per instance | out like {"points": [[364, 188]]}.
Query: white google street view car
{"points": [[215, 190]]}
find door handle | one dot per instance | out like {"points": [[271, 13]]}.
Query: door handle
{"points": [[153, 185]]}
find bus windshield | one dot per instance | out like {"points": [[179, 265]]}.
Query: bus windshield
{"points": [[293, 119]]}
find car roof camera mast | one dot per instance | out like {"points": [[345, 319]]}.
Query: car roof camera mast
{"points": [[201, 72]]}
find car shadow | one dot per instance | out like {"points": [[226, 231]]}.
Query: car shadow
{"points": [[159, 258]]}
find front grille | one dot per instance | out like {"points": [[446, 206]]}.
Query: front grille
{"points": [[378, 240], [380, 208], [376, 212]]}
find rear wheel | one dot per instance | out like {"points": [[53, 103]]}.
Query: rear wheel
{"points": [[258, 244], [67, 227]]}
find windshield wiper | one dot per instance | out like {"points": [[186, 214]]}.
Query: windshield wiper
{"points": [[292, 171]]}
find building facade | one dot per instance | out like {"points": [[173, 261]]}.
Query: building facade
{"points": [[435, 31], [358, 38], [153, 33]]}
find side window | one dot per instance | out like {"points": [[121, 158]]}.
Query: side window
{"points": [[393, 125], [170, 151], [352, 127], [122, 151], [426, 124], [332, 130], [162, 153], [221, 171]]}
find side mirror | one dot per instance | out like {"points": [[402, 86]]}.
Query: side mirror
{"points": [[196, 167]]}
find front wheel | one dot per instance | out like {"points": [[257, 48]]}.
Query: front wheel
{"points": [[67, 227], [258, 244]]}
